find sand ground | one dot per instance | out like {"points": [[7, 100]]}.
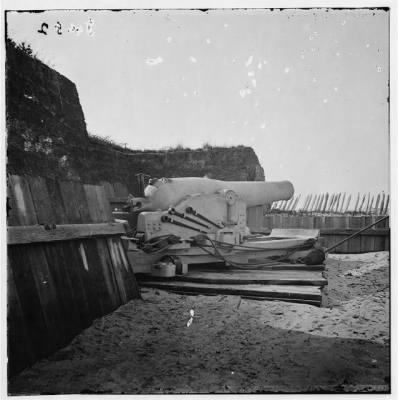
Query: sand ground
{"points": [[233, 345]]}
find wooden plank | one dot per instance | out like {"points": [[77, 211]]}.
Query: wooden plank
{"points": [[368, 241], [354, 244], [110, 192], [267, 222], [283, 233], [45, 289], [23, 209], [319, 221], [130, 283], [105, 207], [94, 280], [117, 269], [29, 299], [20, 350], [12, 209], [57, 204], [340, 231], [306, 221], [316, 303], [76, 273], [272, 291], [251, 277], [69, 308], [347, 232], [93, 203], [98, 204], [379, 243], [274, 267], [74, 201], [38, 233], [109, 275], [41, 200], [335, 221]]}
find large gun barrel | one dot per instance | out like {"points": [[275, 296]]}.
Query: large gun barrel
{"points": [[164, 193]]}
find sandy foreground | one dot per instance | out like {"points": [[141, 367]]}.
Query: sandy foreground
{"points": [[233, 345]]}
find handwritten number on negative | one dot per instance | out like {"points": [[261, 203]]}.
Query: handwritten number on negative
{"points": [[41, 30], [58, 27]]}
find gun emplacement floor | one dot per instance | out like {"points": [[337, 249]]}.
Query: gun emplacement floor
{"points": [[234, 345]]}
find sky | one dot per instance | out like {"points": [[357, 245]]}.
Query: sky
{"points": [[306, 89]]}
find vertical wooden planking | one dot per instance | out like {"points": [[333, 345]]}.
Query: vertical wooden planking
{"points": [[268, 221], [96, 287], [94, 208], [329, 239], [109, 191], [295, 221], [12, 208], [285, 220], [368, 242], [319, 221], [340, 222], [74, 201], [41, 200], [46, 290], [379, 240], [385, 211], [307, 221], [131, 285], [117, 269], [355, 243], [65, 285], [29, 299], [76, 273], [105, 207], [57, 204], [109, 274], [20, 350], [276, 221], [24, 212], [87, 273], [387, 242]]}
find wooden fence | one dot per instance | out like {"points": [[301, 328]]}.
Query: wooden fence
{"points": [[333, 228], [66, 265]]}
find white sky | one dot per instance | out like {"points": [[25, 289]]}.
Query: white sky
{"points": [[307, 89]]}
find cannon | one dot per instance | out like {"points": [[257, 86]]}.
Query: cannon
{"points": [[200, 220]]}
